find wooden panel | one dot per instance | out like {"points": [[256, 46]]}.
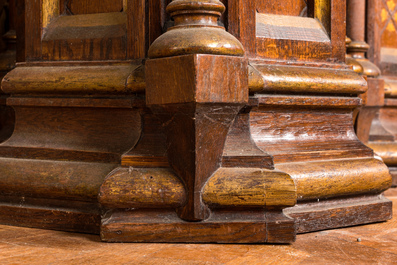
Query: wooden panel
{"points": [[33, 27], [136, 29], [86, 37], [295, 28], [286, 7], [338, 30], [241, 23], [304, 37], [77, 7], [291, 37], [20, 30], [96, 30]]}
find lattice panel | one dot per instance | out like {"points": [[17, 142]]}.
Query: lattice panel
{"points": [[286, 7], [389, 23]]}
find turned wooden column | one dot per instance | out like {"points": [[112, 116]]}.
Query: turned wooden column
{"points": [[374, 98], [355, 29]]}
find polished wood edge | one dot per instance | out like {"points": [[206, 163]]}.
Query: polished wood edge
{"points": [[73, 80], [71, 102], [52, 179], [142, 188], [282, 78], [228, 187], [80, 63], [53, 218], [130, 160], [329, 214], [304, 101], [222, 227], [334, 178], [249, 187], [58, 154], [317, 64]]}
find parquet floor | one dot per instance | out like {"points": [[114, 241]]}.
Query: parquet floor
{"points": [[368, 244]]}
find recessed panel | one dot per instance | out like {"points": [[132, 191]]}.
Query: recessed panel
{"points": [[286, 7], [80, 7]]}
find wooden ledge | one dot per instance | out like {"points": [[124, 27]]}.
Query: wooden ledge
{"points": [[281, 78], [75, 80], [336, 178], [142, 188], [61, 180], [386, 150], [222, 227], [330, 214], [87, 26], [249, 187], [305, 101]]}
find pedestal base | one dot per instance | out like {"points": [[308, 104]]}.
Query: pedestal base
{"points": [[342, 212], [222, 227]]}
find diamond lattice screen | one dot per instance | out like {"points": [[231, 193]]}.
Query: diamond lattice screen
{"points": [[389, 23]]}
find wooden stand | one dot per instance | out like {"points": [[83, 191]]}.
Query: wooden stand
{"points": [[237, 136]]}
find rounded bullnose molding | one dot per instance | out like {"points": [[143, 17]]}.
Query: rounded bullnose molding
{"points": [[196, 31], [200, 40]]}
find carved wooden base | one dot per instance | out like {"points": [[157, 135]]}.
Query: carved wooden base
{"points": [[67, 215], [245, 206], [245, 226], [342, 212]]}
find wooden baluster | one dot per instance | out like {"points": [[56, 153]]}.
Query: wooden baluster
{"points": [[356, 31]]}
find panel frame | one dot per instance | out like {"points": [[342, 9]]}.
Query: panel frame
{"points": [[242, 24]]}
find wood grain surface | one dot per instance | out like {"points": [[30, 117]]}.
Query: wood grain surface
{"points": [[367, 244]]}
